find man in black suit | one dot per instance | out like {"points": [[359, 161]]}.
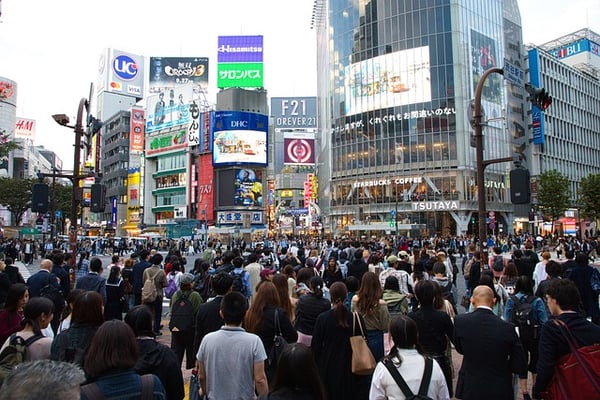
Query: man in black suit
{"points": [[358, 266], [43, 277], [208, 318], [491, 351], [93, 281], [563, 300], [58, 257], [137, 280]]}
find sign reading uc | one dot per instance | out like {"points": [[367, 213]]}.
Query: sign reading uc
{"points": [[125, 67]]}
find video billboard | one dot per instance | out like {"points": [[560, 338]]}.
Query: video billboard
{"points": [[239, 138], [168, 72], [248, 188], [483, 57], [390, 80], [170, 107]]}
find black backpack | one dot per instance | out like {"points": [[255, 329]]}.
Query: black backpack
{"points": [[239, 284], [182, 314], [522, 316], [425, 381], [54, 294], [498, 264], [202, 285]]}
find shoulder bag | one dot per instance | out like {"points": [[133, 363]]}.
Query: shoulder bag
{"points": [[425, 381], [279, 344], [363, 362], [577, 375]]}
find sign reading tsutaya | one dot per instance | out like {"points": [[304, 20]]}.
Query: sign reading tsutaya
{"points": [[388, 181], [435, 205]]}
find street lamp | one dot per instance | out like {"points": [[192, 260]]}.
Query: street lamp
{"points": [[63, 120]]}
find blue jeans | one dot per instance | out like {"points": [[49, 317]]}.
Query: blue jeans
{"points": [[375, 342]]}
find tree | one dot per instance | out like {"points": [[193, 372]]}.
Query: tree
{"points": [[554, 194], [6, 144], [589, 196], [62, 202], [15, 195]]}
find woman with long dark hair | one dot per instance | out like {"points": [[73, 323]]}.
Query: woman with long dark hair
{"points": [[38, 313], [12, 313], [368, 302], [308, 308], [72, 345], [285, 301], [331, 347], [115, 295], [406, 358], [297, 376], [110, 366], [263, 317]]}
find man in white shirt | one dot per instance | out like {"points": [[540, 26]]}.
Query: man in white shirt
{"points": [[253, 269]]}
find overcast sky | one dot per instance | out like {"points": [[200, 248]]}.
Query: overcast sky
{"points": [[51, 48]]}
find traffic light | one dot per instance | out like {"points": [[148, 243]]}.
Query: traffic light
{"points": [[39, 198], [519, 186], [473, 220], [97, 204], [93, 127], [538, 97]]}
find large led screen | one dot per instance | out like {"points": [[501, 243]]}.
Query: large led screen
{"points": [[389, 80], [239, 138], [248, 188]]}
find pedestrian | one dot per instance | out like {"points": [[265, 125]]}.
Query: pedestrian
{"points": [[110, 364], [184, 307], [563, 300], [231, 360], [160, 282], [94, 280], [154, 357], [582, 275], [12, 271], [331, 348], [409, 363], [308, 308], [435, 327], [115, 295], [11, 315], [4, 284], [486, 370]]}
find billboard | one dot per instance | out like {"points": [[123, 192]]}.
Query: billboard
{"points": [[239, 138], [170, 107], [239, 61], [390, 80], [166, 72], [248, 75], [205, 142], [8, 91], [294, 112], [25, 129], [483, 57], [136, 131], [576, 47], [205, 200], [121, 72], [248, 188], [169, 142], [299, 148]]}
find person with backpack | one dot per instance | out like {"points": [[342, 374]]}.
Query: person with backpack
{"points": [[241, 278], [527, 313], [184, 306], [439, 276], [28, 344], [406, 373], [173, 279], [563, 301], [155, 281], [12, 313]]}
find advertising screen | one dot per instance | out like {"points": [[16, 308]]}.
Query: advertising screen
{"points": [[239, 138], [299, 148], [239, 75], [389, 80], [248, 188], [239, 49], [170, 107], [483, 57], [176, 71]]}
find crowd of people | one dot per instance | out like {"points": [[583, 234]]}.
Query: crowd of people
{"points": [[251, 321]]}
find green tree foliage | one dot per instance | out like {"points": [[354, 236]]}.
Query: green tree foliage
{"points": [[554, 194], [589, 196], [6, 145], [15, 195], [62, 202]]}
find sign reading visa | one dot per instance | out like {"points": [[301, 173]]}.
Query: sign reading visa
{"points": [[240, 49]]}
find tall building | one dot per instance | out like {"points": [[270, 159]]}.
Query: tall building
{"points": [[566, 137], [396, 79]]}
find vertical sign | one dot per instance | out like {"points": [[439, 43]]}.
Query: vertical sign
{"points": [[136, 131]]}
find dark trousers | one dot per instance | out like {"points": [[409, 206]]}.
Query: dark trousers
{"points": [[183, 342], [156, 308], [137, 299]]}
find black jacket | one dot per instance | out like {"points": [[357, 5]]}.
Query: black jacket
{"points": [[207, 320], [137, 276], [434, 326], [158, 359], [266, 330], [553, 346], [491, 353], [65, 280], [40, 279], [308, 308], [357, 268], [13, 274]]}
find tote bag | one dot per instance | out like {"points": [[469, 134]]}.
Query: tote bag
{"points": [[363, 362]]}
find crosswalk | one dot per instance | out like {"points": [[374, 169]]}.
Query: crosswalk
{"points": [[23, 270]]}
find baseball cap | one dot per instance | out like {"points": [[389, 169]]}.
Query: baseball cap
{"points": [[392, 259], [403, 253], [186, 279], [265, 272]]}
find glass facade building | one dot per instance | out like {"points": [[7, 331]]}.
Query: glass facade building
{"points": [[396, 79]]}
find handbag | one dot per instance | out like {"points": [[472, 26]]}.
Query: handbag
{"points": [[279, 344], [577, 375], [465, 301], [363, 362], [194, 386]]}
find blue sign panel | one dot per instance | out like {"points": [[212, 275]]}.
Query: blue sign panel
{"points": [[537, 117], [240, 49]]}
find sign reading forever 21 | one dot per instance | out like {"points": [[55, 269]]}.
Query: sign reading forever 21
{"points": [[435, 205]]}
